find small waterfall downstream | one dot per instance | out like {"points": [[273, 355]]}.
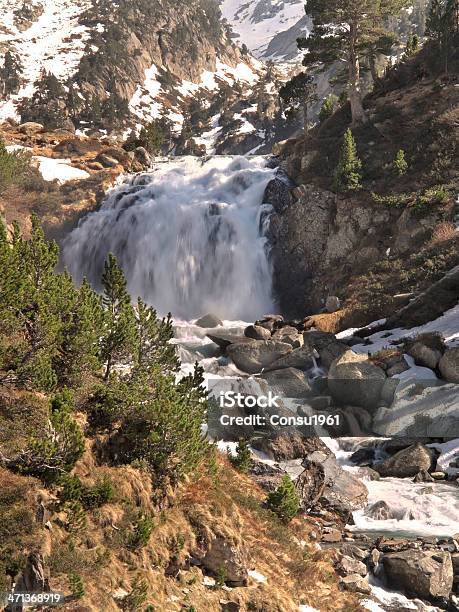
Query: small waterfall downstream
{"points": [[188, 235]]}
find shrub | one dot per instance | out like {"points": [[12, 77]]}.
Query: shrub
{"points": [[142, 532], [328, 107], [134, 601], [76, 585], [90, 497], [242, 461], [284, 501], [14, 167], [400, 164], [222, 576], [348, 174]]}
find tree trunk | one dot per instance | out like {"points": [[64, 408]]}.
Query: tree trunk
{"points": [[355, 98], [305, 117]]}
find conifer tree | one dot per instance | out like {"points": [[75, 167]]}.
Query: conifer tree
{"points": [[328, 107], [153, 340], [119, 337], [348, 173], [284, 501], [342, 29], [298, 94], [243, 458], [442, 26]]}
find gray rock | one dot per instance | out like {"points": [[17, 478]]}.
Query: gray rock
{"points": [[326, 345], [257, 332], [348, 565], [143, 157], [332, 303], [301, 358], [107, 160], [287, 446], [353, 379], [380, 511], [425, 574], [209, 321], [229, 555], [288, 382], [254, 355], [331, 535], [449, 365], [355, 583], [33, 578], [30, 128], [224, 338], [339, 490], [423, 476], [420, 410], [424, 355], [407, 462], [278, 194]]}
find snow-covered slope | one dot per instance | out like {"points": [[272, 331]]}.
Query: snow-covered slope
{"points": [[269, 28], [55, 41]]}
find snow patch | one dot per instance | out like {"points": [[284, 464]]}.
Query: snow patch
{"points": [[59, 169]]}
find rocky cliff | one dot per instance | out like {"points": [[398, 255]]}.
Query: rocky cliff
{"points": [[396, 235]]}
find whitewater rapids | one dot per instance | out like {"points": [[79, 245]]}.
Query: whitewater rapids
{"points": [[189, 236]]}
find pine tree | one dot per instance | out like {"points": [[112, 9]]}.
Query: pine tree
{"points": [[153, 340], [412, 45], [348, 173], [242, 461], [442, 26], [10, 80], [342, 29], [119, 337], [284, 501], [298, 94]]}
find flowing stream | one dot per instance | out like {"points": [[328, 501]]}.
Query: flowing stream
{"points": [[190, 238]]}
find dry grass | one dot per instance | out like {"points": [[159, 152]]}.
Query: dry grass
{"points": [[443, 232]]}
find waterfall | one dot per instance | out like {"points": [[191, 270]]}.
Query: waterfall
{"points": [[188, 235]]}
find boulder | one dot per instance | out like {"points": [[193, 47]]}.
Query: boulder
{"points": [[355, 583], [223, 553], [331, 535], [380, 511], [209, 321], [326, 345], [224, 338], [449, 365], [353, 379], [288, 382], [33, 578], [423, 476], [424, 355], [267, 476], [287, 446], [420, 410], [142, 156], [254, 355], [257, 332], [289, 334], [334, 488], [349, 565], [30, 128], [107, 161], [407, 462], [301, 358], [332, 303], [424, 574], [277, 193]]}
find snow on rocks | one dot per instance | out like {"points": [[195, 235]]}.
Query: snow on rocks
{"points": [[55, 42], [59, 169]]}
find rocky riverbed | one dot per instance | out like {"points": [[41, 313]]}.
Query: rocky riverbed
{"points": [[382, 492]]}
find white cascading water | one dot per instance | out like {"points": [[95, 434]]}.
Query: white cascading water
{"points": [[188, 235]]}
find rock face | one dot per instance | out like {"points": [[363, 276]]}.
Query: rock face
{"points": [[424, 355], [33, 578], [425, 574], [354, 380], [231, 556], [254, 355], [449, 365], [408, 462]]}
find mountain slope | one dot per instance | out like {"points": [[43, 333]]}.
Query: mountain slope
{"points": [[269, 28]]}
